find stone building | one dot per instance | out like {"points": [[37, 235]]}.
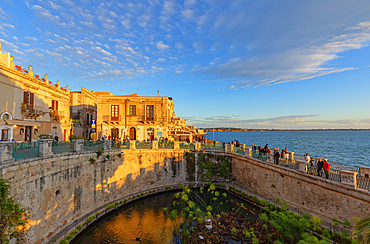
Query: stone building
{"points": [[136, 117], [29, 105], [83, 113]]}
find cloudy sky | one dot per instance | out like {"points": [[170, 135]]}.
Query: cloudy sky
{"points": [[238, 63]]}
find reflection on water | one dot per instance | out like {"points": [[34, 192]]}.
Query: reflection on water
{"points": [[143, 218]]}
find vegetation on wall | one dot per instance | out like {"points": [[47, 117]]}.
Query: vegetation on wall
{"points": [[13, 219], [214, 167], [190, 166]]}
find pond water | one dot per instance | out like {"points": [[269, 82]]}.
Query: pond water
{"points": [[145, 219]]}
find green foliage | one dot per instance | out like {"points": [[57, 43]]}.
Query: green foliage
{"points": [[92, 160], [168, 187], [164, 209], [277, 200], [233, 230], [12, 215], [173, 214], [79, 227], [126, 201], [119, 155], [100, 151], [107, 157], [45, 136], [64, 241]]}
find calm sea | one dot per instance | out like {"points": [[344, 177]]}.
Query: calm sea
{"points": [[349, 147]]}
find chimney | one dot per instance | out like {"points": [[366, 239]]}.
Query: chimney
{"points": [[158, 93]]}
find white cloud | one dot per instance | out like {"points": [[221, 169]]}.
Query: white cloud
{"points": [[2, 14], [179, 45], [161, 46], [8, 25], [30, 38]]}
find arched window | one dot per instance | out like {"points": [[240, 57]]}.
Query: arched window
{"points": [[6, 115]]}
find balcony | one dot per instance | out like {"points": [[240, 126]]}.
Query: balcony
{"points": [[56, 116], [146, 118], [112, 120], [28, 111]]}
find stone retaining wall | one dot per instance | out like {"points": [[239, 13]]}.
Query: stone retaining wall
{"points": [[59, 189]]}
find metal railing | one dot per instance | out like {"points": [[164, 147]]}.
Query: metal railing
{"points": [[363, 182], [259, 155], [93, 145], [25, 150], [62, 146], [111, 118], [165, 144], [121, 145], [186, 145], [143, 145]]}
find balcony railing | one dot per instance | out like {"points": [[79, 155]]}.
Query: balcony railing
{"points": [[56, 116], [147, 118], [110, 118], [29, 111]]}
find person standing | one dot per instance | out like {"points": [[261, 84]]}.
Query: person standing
{"points": [[308, 159], [320, 165], [276, 157], [326, 167]]}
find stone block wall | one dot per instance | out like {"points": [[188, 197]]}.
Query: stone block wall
{"points": [[59, 189]]}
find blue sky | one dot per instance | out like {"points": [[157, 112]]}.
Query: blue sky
{"points": [[250, 64]]}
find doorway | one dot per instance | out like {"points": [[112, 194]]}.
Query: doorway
{"points": [[114, 133], [132, 133], [27, 134]]}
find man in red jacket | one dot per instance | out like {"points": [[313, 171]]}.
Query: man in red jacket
{"points": [[326, 168]]}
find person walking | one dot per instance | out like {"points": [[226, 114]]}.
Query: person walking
{"points": [[326, 167]]}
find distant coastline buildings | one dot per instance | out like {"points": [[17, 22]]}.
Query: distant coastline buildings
{"points": [[30, 105]]}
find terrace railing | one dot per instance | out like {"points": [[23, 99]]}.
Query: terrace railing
{"points": [[143, 145], [186, 145], [62, 146], [363, 182], [25, 150], [165, 144], [120, 145], [93, 145]]}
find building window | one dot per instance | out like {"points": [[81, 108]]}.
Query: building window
{"points": [[132, 109], [28, 100], [54, 105], [4, 135], [150, 112], [114, 112], [6, 115]]}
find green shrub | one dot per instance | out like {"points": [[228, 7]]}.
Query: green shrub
{"points": [[119, 155], [79, 227], [64, 241]]}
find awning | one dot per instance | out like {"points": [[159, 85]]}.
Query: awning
{"points": [[21, 122]]}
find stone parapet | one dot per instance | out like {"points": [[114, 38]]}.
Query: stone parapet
{"points": [[348, 178], [198, 146], [154, 144], [248, 152], [301, 166], [78, 145], [132, 144], [229, 148], [6, 152], [107, 144], [365, 171], [176, 145], [269, 158], [45, 148]]}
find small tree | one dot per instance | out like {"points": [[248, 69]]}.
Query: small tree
{"points": [[12, 214]]}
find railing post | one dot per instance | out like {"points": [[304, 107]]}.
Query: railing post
{"points": [[154, 144], [78, 145], [248, 152], [132, 144], [176, 145], [291, 156], [365, 171], [198, 146], [242, 147], [301, 166], [348, 178], [45, 148], [229, 148], [107, 145], [269, 158], [6, 152], [218, 144]]}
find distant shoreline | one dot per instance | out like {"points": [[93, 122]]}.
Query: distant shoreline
{"points": [[240, 130]]}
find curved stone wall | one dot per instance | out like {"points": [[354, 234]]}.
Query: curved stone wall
{"points": [[60, 189]]}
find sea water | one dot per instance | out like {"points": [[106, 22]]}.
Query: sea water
{"points": [[348, 147]]}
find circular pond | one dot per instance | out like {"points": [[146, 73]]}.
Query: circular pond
{"points": [[145, 219]]}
